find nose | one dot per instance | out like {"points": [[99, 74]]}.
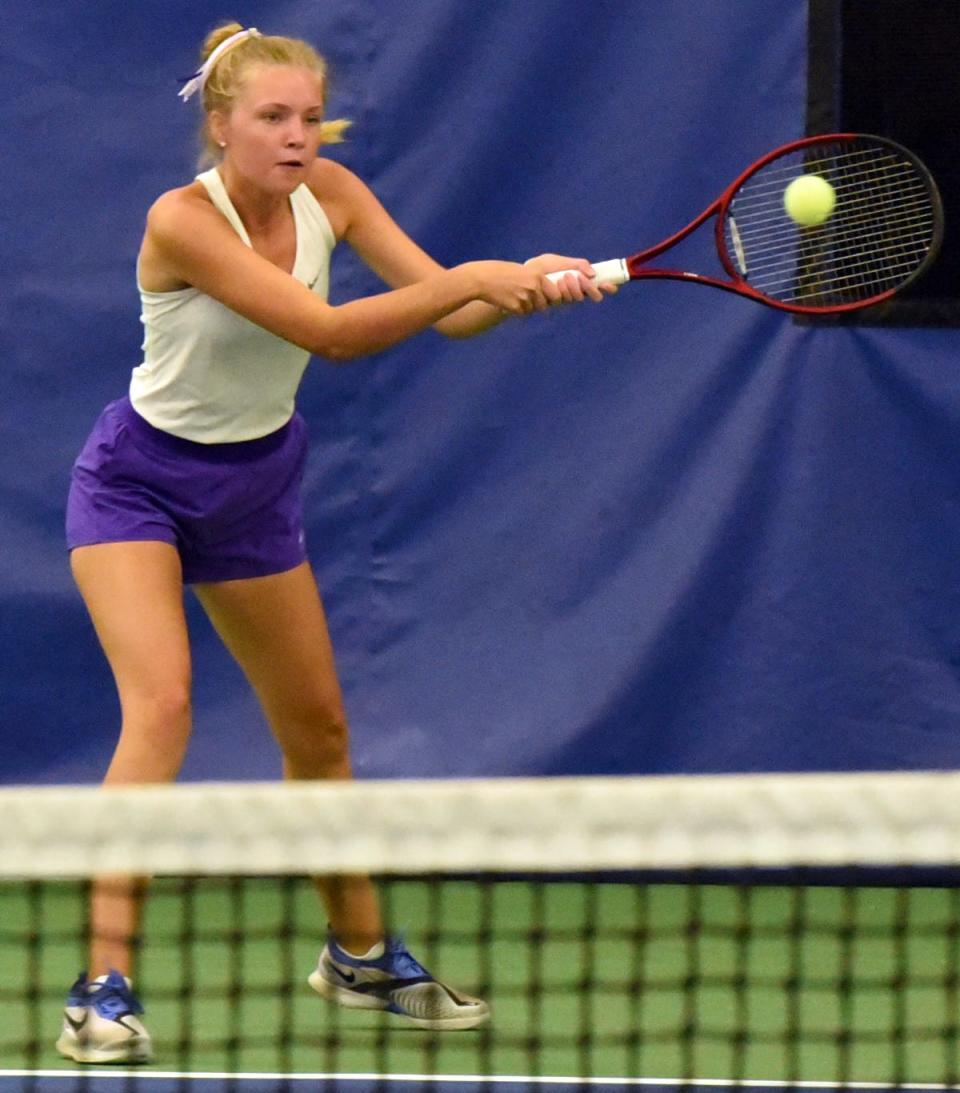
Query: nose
{"points": [[296, 134]]}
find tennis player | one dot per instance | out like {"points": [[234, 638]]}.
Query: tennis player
{"points": [[195, 477]]}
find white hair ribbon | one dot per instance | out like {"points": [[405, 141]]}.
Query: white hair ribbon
{"points": [[198, 80]]}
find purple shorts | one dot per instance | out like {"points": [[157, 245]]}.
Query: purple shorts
{"points": [[231, 510]]}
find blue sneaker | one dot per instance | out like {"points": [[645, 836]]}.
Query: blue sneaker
{"points": [[100, 1023], [394, 982]]}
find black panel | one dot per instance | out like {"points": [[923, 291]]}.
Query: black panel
{"points": [[891, 67]]}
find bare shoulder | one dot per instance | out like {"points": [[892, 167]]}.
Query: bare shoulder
{"points": [[181, 222], [339, 191], [329, 178], [180, 210]]}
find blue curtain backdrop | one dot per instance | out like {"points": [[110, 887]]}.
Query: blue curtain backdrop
{"points": [[677, 532]]}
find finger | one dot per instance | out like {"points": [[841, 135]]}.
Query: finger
{"points": [[578, 285], [571, 285], [577, 265], [593, 290], [553, 291]]}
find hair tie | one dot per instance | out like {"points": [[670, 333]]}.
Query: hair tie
{"points": [[198, 80]]}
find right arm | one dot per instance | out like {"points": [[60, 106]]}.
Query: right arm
{"points": [[192, 243]]}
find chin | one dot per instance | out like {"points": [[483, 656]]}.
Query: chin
{"points": [[288, 178]]}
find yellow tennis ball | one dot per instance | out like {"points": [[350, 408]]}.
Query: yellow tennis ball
{"points": [[809, 200]]}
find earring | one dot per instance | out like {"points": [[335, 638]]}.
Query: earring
{"points": [[222, 143]]}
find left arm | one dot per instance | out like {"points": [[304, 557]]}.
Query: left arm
{"points": [[361, 221]]}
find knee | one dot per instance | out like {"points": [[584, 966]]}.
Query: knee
{"points": [[153, 736], [165, 712], [316, 743]]}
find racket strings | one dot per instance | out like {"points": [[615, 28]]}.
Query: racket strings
{"points": [[854, 283], [908, 198], [781, 259], [907, 204], [901, 217], [781, 171], [809, 272], [783, 250], [844, 282], [895, 219], [880, 231], [842, 261]]}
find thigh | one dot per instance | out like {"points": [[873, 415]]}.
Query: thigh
{"points": [[276, 629], [134, 594]]}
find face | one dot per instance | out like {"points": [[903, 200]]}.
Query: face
{"points": [[272, 133]]}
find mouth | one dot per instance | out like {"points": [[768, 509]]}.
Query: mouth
{"points": [[290, 163]]}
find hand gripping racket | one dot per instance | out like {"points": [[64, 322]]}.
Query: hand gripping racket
{"points": [[885, 229]]}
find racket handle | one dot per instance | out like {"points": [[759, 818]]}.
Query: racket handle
{"points": [[611, 272]]}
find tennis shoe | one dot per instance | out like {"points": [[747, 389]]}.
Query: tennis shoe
{"points": [[100, 1023], [397, 983]]}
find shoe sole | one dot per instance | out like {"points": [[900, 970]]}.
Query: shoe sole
{"points": [[343, 996], [129, 1052]]}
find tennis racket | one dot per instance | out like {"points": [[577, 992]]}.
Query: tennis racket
{"points": [[884, 231]]}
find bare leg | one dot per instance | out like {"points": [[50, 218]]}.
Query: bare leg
{"points": [[134, 593], [276, 629]]}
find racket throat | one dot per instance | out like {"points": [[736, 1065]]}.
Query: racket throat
{"points": [[738, 249]]}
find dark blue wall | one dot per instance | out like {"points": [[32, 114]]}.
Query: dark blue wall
{"points": [[675, 532]]}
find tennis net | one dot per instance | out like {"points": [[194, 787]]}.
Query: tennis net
{"points": [[743, 929]]}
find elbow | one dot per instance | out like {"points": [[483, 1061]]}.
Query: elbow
{"points": [[334, 354], [334, 350], [336, 342], [454, 331], [453, 334]]}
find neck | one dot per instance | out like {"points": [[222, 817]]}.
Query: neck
{"points": [[256, 207]]}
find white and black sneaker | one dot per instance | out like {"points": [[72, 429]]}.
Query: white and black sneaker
{"points": [[100, 1023], [395, 982]]}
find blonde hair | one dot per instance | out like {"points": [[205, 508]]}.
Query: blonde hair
{"points": [[225, 82]]}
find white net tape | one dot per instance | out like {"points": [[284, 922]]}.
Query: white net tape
{"points": [[551, 824]]}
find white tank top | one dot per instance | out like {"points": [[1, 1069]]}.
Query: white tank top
{"points": [[210, 375]]}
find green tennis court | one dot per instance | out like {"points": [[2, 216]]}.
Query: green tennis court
{"points": [[598, 979]]}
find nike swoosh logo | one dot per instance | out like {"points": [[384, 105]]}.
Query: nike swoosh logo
{"points": [[76, 1025], [347, 977]]}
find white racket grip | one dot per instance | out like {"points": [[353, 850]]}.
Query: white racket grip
{"points": [[611, 272]]}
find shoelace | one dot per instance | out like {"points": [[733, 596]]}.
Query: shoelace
{"points": [[402, 963], [113, 1000]]}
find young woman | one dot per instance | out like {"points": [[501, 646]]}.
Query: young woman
{"points": [[194, 478]]}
